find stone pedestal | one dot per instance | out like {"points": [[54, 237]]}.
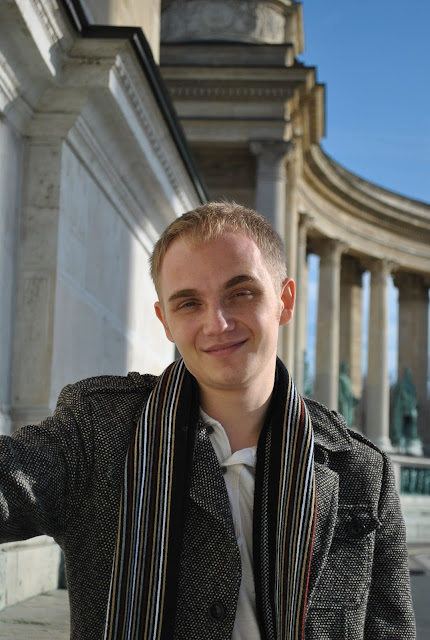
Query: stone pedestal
{"points": [[327, 357], [377, 389], [413, 340], [252, 21]]}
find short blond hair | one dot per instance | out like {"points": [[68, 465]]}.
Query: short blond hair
{"points": [[213, 219]]}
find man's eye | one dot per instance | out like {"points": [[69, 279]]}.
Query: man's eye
{"points": [[241, 295], [187, 304]]}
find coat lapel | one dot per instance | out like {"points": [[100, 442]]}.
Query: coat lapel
{"points": [[327, 490]]}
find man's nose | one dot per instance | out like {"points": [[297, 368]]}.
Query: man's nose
{"points": [[217, 319]]}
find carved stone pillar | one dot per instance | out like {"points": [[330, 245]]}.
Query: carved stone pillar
{"points": [[10, 160], [36, 281], [413, 340], [271, 201], [377, 388], [327, 357], [300, 320], [351, 312], [270, 190]]}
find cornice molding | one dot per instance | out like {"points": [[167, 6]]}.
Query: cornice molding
{"points": [[236, 92], [137, 40], [11, 101], [153, 137], [49, 21]]}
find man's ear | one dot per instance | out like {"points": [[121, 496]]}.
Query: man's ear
{"points": [[288, 298], [160, 316]]}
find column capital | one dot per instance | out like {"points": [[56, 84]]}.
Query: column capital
{"points": [[271, 150], [306, 220], [380, 267], [411, 284], [352, 270], [330, 248]]}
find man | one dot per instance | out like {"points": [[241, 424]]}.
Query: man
{"points": [[234, 508]]}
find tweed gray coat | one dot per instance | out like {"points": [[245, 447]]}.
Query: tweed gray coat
{"points": [[63, 478]]}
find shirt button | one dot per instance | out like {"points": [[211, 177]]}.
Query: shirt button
{"points": [[217, 611]]}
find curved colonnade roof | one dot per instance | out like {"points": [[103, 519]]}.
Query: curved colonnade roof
{"points": [[372, 221]]}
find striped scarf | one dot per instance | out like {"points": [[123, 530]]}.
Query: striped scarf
{"points": [[142, 599]]}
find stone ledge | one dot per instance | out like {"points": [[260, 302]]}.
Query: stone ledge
{"points": [[28, 568]]}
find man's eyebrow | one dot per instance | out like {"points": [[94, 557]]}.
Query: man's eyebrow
{"points": [[238, 280], [182, 293], [192, 293]]}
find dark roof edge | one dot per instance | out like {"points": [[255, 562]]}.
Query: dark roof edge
{"points": [[135, 35]]}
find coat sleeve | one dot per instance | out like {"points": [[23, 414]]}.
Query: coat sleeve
{"points": [[389, 613], [40, 466]]}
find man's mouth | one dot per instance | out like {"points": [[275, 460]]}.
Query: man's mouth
{"points": [[224, 349]]}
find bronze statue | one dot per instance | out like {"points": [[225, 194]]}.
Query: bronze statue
{"points": [[347, 401], [404, 416]]}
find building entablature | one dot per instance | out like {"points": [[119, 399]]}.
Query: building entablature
{"points": [[372, 221], [249, 100]]}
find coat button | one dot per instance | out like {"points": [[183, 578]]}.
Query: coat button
{"points": [[355, 528], [217, 611]]}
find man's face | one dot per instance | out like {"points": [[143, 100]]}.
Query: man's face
{"points": [[221, 307]]}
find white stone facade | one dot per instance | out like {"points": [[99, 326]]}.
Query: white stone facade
{"points": [[93, 169]]}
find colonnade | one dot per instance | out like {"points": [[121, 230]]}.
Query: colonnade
{"points": [[340, 313]]}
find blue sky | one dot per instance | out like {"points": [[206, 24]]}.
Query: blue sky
{"points": [[374, 58]]}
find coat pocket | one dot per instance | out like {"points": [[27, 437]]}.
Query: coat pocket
{"points": [[345, 579]]}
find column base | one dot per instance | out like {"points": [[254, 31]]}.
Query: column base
{"points": [[5, 421]]}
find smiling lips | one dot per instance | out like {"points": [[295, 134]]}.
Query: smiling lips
{"points": [[224, 349]]}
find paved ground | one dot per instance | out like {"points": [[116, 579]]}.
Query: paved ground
{"points": [[47, 616], [42, 618]]}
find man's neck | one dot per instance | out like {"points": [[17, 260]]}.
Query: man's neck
{"points": [[240, 413]]}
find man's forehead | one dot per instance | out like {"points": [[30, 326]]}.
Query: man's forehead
{"points": [[187, 255]]}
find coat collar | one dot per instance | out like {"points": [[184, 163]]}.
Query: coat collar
{"points": [[330, 429]]}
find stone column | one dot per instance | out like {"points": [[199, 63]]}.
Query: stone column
{"points": [[300, 319], [270, 189], [10, 162], [413, 340], [327, 356], [377, 388], [351, 312], [36, 281], [272, 200]]}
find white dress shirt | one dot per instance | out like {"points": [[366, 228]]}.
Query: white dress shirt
{"points": [[239, 476]]}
